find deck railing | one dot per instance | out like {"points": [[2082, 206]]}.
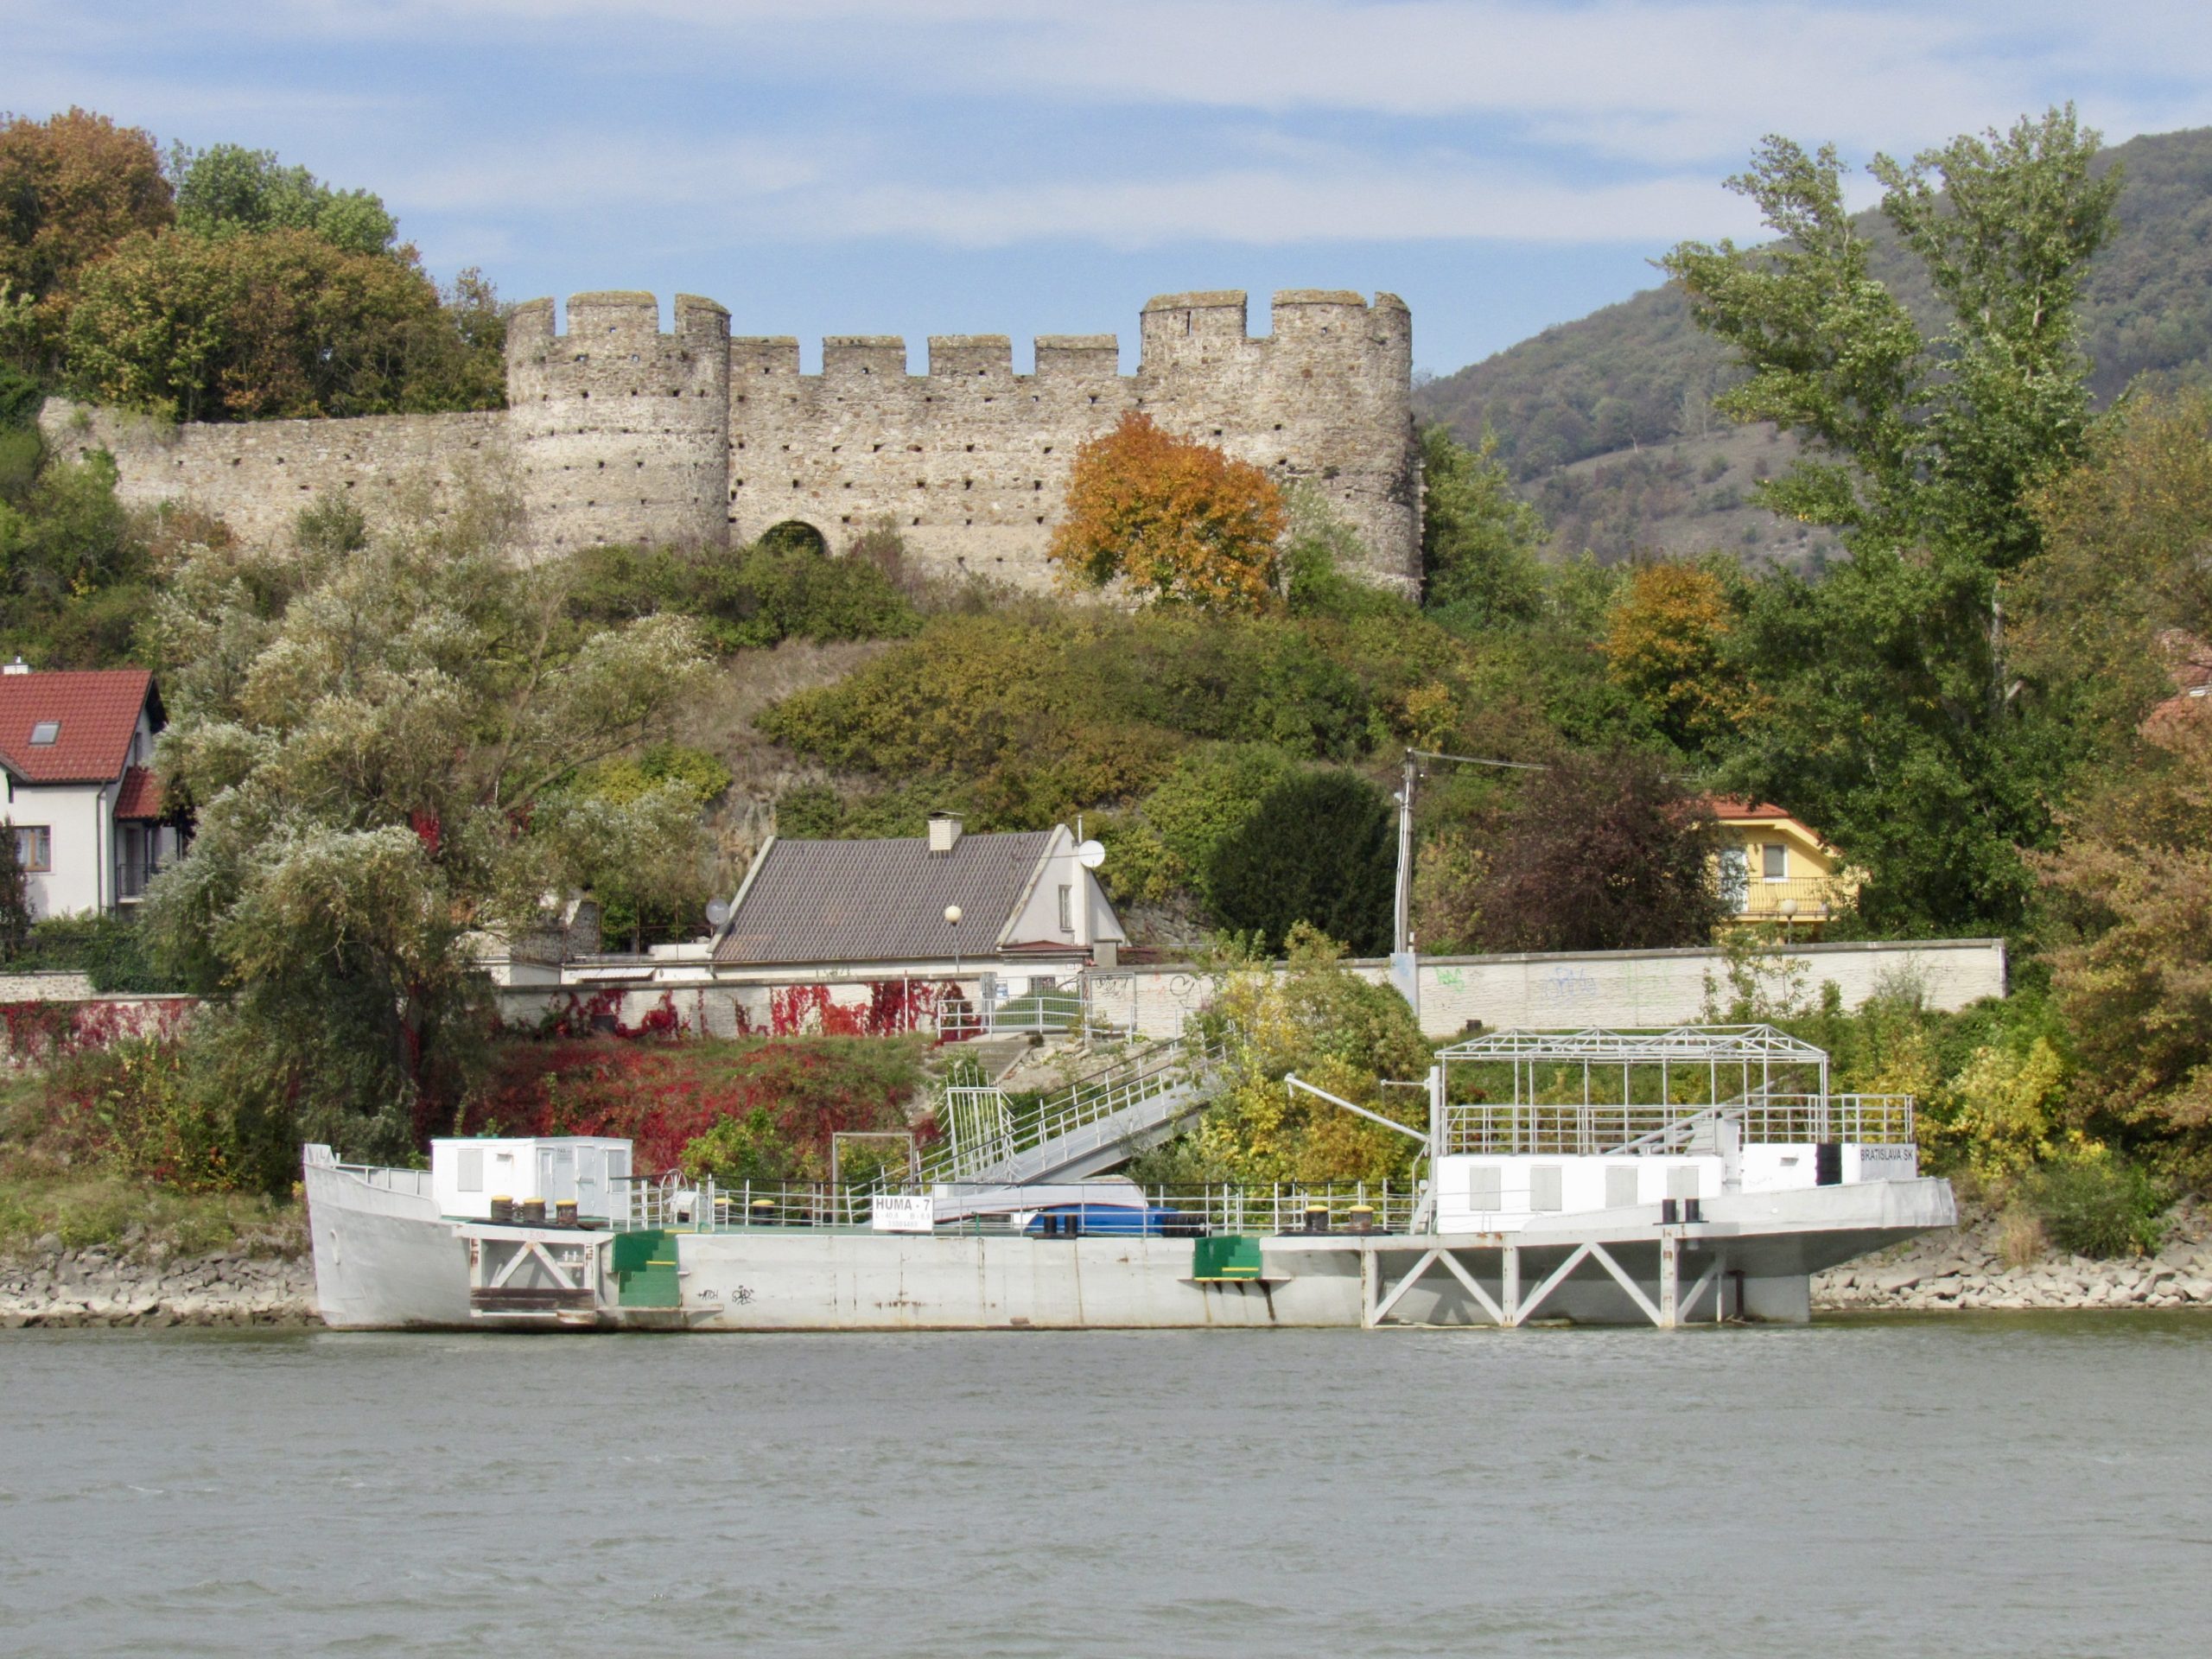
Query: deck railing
{"points": [[672, 1203], [1603, 1130]]}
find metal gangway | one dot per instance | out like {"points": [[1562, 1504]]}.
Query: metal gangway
{"points": [[1087, 1128]]}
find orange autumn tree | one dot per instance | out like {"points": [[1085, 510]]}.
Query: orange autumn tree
{"points": [[1178, 520]]}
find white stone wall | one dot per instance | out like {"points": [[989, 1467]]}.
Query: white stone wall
{"points": [[1625, 987], [1621, 988]]}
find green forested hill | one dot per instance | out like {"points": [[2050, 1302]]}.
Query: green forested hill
{"points": [[1607, 421]]}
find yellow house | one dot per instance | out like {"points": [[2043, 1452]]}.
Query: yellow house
{"points": [[1776, 870]]}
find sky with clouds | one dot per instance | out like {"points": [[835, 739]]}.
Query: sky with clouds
{"points": [[1012, 166]]}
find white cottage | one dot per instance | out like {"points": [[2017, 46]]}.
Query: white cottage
{"points": [[1022, 902], [76, 753]]}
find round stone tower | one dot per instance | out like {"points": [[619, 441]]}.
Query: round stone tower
{"points": [[621, 432], [1323, 402]]}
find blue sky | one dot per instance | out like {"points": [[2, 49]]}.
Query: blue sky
{"points": [[1008, 166]]}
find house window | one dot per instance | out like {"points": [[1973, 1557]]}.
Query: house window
{"points": [[1774, 858], [1067, 910], [46, 734], [35, 847], [1735, 876]]}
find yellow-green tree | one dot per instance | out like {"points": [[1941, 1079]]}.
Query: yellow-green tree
{"points": [[1666, 645], [2132, 883], [71, 188], [1338, 1031], [1170, 518], [272, 324]]}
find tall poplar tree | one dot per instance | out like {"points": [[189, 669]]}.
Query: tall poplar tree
{"points": [[1895, 723]]}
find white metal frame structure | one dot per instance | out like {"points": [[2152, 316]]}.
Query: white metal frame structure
{"points": [[1600, 1091]]}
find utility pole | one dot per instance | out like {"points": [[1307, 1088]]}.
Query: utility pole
{"points": [[1401, 922], [1401, 929]]}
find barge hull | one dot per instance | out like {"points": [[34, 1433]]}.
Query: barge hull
{"points": [[385, 1259]]}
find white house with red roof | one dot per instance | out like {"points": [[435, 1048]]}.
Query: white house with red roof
{"points": [[76, 752]]}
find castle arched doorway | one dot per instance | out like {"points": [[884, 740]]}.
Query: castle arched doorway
{"points": [[795, 535]]}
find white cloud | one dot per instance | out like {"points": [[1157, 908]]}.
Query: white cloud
{"points": [[1659, 81], [573, 174], [1273, 207], [1254, 121]]}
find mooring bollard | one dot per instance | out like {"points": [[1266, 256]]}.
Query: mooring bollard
{"points": [[1362, 1219]]}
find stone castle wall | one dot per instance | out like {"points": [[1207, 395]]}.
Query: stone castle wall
{"points": [[616, 431], [257, 475]]}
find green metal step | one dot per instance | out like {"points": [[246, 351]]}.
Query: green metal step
{"points": [[645, 1271], [1228, 1256]]}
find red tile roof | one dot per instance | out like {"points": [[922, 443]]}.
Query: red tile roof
{"points": [[1727, 806], [139, 799], [96, 711]]}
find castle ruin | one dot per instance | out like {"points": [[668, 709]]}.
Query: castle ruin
{"points": [[616, 431]]}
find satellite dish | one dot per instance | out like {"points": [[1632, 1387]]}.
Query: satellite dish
{"points": [[1090, 855], [717, 913]]}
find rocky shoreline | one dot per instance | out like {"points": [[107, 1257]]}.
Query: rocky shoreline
{"points": [[1966, 1268], [100, 1285]]}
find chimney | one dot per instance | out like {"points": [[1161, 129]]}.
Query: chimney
{"points": [[945, 833], [19, 666]]}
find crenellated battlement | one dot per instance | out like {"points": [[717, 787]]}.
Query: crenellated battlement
{"points": [[627, 315], [617, 430]]}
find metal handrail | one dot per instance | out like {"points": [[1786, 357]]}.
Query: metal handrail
{"points": [[1031, 1013], [1603, 1130], [1088, 1104], [673, 1203]]}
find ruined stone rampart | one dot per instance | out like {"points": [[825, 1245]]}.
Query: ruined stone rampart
{"points": [[258, 474], [618, 431]]}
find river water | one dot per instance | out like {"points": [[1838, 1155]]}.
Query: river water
{"points": [[1963, 1484]]}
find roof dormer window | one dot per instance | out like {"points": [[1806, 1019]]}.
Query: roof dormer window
{"points": [[46, 734]]}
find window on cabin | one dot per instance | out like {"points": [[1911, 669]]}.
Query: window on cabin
{"points": [[35, 847], [1774, 862], [46, 734], [468, 1176], [1485, 1188], [1546, 1188]]}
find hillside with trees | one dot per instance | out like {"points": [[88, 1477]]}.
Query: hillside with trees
{"points": [[399, 740], [1609, 425]]}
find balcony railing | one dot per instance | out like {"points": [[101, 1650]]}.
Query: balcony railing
{"points": [[131, 875], [1816, 897]]}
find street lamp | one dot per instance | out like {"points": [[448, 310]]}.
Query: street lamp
{"points": [[1789, 908], [952, 921]]}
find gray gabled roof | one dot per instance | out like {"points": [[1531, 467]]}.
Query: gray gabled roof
{"points": [[809, 901]]}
